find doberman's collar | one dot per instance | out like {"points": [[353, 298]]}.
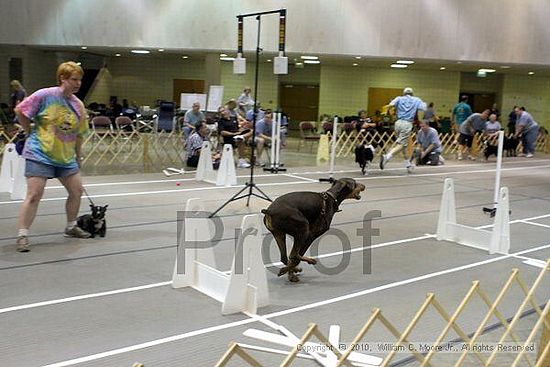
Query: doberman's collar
{"points": [[326, 195]]}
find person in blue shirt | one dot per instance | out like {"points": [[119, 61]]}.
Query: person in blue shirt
{"points": [[528, 129], [263, 135], [461, 111], [428, 145], [406, 107]]}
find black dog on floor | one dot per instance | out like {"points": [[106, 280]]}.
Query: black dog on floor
{"points": [[94, 223], [509, 146], [364, 154], [305, 216]]}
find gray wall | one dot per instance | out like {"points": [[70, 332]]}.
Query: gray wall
{"points": [[509, 31]]}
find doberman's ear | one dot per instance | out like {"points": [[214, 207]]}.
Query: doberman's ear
{"points": [[349, 183], [344, 185]]}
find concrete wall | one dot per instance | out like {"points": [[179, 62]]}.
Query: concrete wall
{"points": [[475, 30], [343, 90]]}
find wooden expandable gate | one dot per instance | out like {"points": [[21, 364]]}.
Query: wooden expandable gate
{"points": [[154, 151], [127, 150], [347, 141], [511, 338]]}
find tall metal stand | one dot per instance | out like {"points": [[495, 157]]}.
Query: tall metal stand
{"points": [[248, 190], [334, 137]]}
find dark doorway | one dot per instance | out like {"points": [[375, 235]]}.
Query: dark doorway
{"points": [[187, 86], [16, 69], [479, 101], [87, 81], [300, 101]]}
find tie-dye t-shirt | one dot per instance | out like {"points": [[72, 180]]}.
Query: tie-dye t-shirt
{"points": [[58, 121]]}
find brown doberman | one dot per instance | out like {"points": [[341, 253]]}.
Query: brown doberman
{"points": [[305, 216]]}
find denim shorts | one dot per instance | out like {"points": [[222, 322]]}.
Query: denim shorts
{"points": [[37, 169]]}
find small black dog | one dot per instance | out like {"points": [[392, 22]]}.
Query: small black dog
{"points": [[94, 223], [364, 154], [509, 146]]}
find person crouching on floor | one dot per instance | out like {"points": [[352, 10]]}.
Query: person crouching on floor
{"points": [[428, 146], [194, 145]]}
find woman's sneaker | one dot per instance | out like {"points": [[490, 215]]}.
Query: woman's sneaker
{"points": [[22, 244], [76, 232]]}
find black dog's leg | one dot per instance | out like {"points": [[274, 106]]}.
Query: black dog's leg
{"points": [[309, 260], [294, 259], [280, 237], [300, 242]]}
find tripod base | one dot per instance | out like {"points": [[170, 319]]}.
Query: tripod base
{"points": [[239, 195], [274, 169]]}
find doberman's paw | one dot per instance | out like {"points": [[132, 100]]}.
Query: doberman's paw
{"points": [[309, 260], [293, 277], [283, 271]]}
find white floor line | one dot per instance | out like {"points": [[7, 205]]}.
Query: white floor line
{"points": [[173, 338], [278, 263], [300, 177], [280, 184], [84, 296], [121, 183], [530, 260], [122, 194], [534, 223], [142, 287]]}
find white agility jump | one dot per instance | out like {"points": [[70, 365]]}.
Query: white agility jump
{"points": [[495, 241], [226, 175], [205, 167], [244, 289], [12, 173]]}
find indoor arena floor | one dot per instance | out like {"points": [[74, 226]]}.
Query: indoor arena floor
{"points": [[108, 301]]}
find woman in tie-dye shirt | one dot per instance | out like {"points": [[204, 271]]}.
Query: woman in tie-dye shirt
{"points": [[53, 147]]}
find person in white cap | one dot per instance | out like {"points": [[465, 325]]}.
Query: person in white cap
{"points": [[406, 107]]}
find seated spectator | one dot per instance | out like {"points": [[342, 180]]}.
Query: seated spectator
{"points": [[428, 145], [259, 113], [364, 123], [235, 135], [492, 127], [367, 126], [264, 130], [194, 145], [192, 118]]}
